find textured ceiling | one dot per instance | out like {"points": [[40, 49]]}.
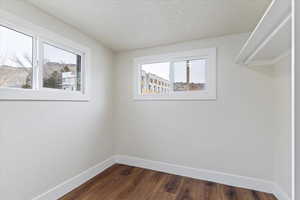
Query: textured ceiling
{"points": [[131, 24]]}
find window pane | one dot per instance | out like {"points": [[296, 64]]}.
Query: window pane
{"points": [[190, 75], [155, 78], [15, 59], [61, 69]]}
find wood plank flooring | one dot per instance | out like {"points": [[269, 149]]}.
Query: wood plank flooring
{"points": [[121, 182]]}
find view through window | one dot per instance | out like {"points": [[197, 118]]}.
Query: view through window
{"points": [[155, 78], [180, 76], [16, 69], [61, 69], [189, 75]]}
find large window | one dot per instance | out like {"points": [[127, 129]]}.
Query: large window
{"points": [[185, 75], [40, 65]]}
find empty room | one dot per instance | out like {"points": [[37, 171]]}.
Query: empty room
{"points": [[147, 100]]}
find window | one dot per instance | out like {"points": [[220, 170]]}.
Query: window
{"points": [[189, 75], [15, 59], [185, 75], [61, 69], [151, 74], [40, 65]]}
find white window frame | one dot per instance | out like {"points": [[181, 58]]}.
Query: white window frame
{"points": [[41, 36], [210, 54]]}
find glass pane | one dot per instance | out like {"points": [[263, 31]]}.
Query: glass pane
{"points": [[61, 69], [15, 59], [190, 75], [155, 78]]}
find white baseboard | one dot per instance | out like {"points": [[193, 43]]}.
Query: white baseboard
{"points": [[203, 174], [70, 184], [279, 193]]}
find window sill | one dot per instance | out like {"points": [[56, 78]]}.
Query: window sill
{"points": [[33, 95]]}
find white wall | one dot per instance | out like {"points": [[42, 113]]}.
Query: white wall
{"points": [[283, 153], [234, 134], [43, 144]]}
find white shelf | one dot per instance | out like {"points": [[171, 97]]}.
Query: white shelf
{"points": [[271, 39]]}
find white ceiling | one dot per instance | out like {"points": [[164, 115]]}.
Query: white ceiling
{"points": [[131, 24]]}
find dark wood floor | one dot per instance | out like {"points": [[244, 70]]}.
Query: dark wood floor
{"points": [[121, 182]]}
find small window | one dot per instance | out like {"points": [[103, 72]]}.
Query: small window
{"points": [[16, 69], [189, 75], [61, 69], [153, 73], [186, 75]]}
